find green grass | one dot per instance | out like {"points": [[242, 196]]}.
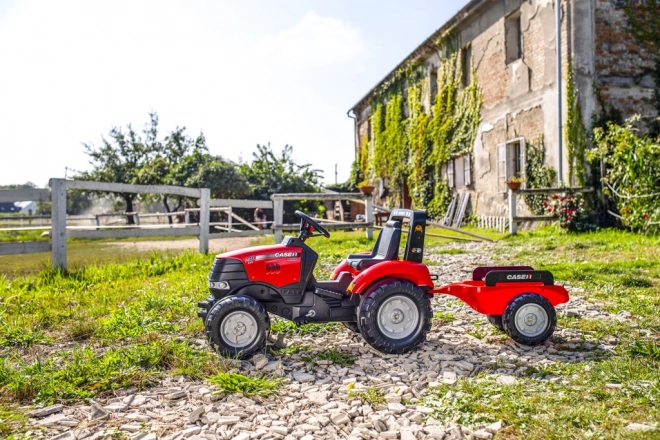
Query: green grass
{"points": [[289, 327], [248, 386], [336, 357], [373, 396]]}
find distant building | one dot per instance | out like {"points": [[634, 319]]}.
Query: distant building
{"points": [[512, 46], [29, 208], [9, 207]]}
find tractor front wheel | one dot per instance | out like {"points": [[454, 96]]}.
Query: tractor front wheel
{"points": [[236, 326], [496, 321], [394, 317], [352, 326], [529, 319]]}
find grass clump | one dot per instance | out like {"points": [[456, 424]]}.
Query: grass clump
{"points": [[248, 386], [647, 349], [16, 337], [633, 280], [451, 252], [373, 396], [289, 327], [290, 349], [443, 317], [336, 357]]}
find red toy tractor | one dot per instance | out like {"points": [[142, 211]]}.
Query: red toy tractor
{"points": [[385, 298]]}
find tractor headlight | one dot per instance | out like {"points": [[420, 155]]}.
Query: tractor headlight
{"points": [[219, 285]]}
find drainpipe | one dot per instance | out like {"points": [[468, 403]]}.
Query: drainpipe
{"points": [[560, 137], [355, 140]]}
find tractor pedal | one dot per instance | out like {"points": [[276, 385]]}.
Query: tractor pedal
{"points": [[329, 293], [300, 320]]}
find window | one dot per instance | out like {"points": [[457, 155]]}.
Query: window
{"points": [[510, 162], [466, 58], [467, 170], [459, 180], [450, 174], [513, 30]]}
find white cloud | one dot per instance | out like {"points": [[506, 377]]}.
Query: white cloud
{"points": [[315, 42]]}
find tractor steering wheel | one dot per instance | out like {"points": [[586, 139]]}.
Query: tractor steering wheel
{"points": [[308, 226]]}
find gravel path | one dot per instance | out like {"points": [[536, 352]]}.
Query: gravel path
{"points": [[216, 245], [320, 400]]}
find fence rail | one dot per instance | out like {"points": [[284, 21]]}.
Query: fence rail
{"points": [[60, 230], [513, 195]]}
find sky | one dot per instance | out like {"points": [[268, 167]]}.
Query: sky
{"points": [[242, 72]]}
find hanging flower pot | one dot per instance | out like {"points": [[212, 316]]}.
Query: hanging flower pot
{"points": [[513, 185], [366, 190]]}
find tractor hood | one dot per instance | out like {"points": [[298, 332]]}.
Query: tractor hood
{"points": [[277, 264]]}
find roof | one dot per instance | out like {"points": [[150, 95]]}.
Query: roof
{"points": [[428, 45]]}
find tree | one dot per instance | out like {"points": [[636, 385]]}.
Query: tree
{"points": [[270, 174], [177, 160], [644, 24], [124, 157]]}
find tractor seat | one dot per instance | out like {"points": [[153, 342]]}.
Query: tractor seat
{"points": [[385, 249]]}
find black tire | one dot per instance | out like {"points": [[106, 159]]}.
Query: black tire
{"points": [[496, 321], [534, 304], [379, 296], [352, 326], [227, 308]]}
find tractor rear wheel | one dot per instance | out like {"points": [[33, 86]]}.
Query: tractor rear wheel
{"points": [[236, 326], [395, 316], [529, 319]]}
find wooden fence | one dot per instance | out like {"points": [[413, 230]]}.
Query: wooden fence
{"points": [[59, 232], [513, 195], [278, 212]]}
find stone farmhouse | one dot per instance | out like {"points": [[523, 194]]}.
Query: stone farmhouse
{"points": [[510, 48]]}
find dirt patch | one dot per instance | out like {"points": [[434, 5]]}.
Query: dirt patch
{"points": [[216, 245]]}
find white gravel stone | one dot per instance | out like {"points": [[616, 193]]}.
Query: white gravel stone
{"points": [[43, 412], [227, 420], [639, 427], [506, 380], [302, 377]]}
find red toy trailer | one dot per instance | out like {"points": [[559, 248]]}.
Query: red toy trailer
{"points": [[383, 297]]}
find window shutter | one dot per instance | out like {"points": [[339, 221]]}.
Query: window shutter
{"points": [[501, 167], [450, 173], [467, 169]]}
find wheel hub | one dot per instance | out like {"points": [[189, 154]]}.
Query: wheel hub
{"points": [[531, 320], [398, 317], [239, 329]]}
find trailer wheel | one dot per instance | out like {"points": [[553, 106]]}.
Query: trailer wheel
{"points": [[529, 319], [352, 326], [496, 321], [394, 317], [236, 326]]}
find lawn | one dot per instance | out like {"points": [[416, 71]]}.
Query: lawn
{"points": [[117, 320]]}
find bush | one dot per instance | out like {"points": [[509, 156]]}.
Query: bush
{"points": [[633, 174]]}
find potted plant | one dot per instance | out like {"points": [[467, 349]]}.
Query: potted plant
{"points": [[515, 182], [365, 187]]}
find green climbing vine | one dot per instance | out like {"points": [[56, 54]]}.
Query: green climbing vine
{"points": [[539, 174], [413, 149], [574, 131]]}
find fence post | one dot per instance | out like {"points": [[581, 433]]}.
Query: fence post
{"points": [[513, 226], [187, 216], [229, 218], [278, 219], [369, 216], [58, 223], [204, 216]]}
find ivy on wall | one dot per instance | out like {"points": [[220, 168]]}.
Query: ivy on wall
{"points": [[539, 174], [574, 131], [413, 149]]}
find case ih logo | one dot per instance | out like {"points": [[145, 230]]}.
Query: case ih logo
{"points": [[249, 260], [278, 255], [286, 254], [525, 276]]}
